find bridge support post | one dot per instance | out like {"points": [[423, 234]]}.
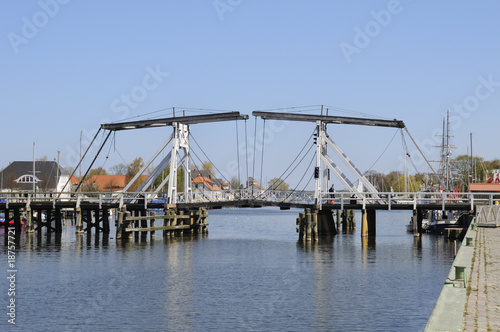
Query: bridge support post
{"points": [[29, 220], [338, 221], [58, 220], [417, 222], [364, 223], [79, 225], [326, 222], [372, 216], [308, 224], [314, 214]]}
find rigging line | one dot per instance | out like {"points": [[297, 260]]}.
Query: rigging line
{"points": [[121, 157], [262, 157], [280, 178], [428, 163], [476, 159], [140, 115], [208, 158], [107, 156], [246, 149], [303, 175], [92, 163], [405, 146], [305, 155], [290, 108], [376, 161], [254, 151], [80, 162], [343, 110], [237, 151]]}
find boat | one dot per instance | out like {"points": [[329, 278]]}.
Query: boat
{"points": [[11, 222], [437, 221]]}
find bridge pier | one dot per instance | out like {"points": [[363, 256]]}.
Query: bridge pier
{"points": [[368, 223], [314, 223], [175, 223], [417, 222], [348, 221]]}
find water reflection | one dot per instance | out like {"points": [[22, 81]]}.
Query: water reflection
{"points": [[178, 284], [368, 244]]}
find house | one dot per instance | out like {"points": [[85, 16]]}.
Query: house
{"points": [[208, 175], [47, 176], [492, 185], [110, 182], [204, 187]]}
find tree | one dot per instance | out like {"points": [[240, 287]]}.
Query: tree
{"points": [[181, 173], [120, 169], [208, 166], [235, 183], [96, 171], [132, 169], [278, 184]]}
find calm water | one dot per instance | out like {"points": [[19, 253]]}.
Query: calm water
{"points": [[248, 273]]}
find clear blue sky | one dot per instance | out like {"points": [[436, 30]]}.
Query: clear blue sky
{"points": [[67, 66]]}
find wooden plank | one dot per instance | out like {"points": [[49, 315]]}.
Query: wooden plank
{"points": [[159, 217], [150, 229]]}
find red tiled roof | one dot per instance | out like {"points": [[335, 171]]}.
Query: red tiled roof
{"points": [[486, 187], [110, 182], [207, 182]]}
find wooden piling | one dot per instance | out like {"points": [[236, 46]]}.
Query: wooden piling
{"points": [[371, 219], [79, 221], [338, 221], [308, 225], [364, 223], [29, 220], [105, 221], [58, 220], [152, 225], [314, 214]]}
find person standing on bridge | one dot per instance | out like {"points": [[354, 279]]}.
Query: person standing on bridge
{"points": [[332, 195]]}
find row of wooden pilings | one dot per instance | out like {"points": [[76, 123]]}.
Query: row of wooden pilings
{"points": [[175, 223], [314, 223], [32, 219], [129, 222]]}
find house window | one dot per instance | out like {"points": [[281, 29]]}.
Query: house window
{"points": [[27, 179]]}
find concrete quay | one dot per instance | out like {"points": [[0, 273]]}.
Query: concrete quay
{"points": [[482, 309], [470, 298]]}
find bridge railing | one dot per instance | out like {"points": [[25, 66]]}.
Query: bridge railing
{"points": [[409, 198], [488, 216], [299, 197]]}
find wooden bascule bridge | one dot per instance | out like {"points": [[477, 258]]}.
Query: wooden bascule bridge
{"points": [[175, 213]]}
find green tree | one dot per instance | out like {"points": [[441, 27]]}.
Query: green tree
{"points": [[132, 169], [208, 166], [96, 171], [235, 183], [181, 173], [278, 184]]}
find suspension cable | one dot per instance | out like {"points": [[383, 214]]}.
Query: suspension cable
{"points": [[237, 152], [246, 149], [208, 158], [280, 178], [376, 161], [262, 157], [79, 163], [93, 161], [303, 175], [254, 154]]}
